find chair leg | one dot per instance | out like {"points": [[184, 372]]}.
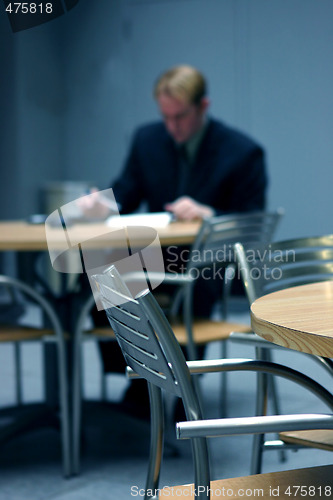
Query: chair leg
{"points": [[18, 372], [224, 389], [201, 467], [64, 409], [272, 388], [103, 385], [261, 407], [77, 405], [273, 393], [156, 441], [257, 448]]}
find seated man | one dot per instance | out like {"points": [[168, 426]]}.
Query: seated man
{"points": [[189, 164]]}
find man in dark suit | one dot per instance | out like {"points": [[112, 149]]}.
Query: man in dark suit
{"points": [[191, 165]]}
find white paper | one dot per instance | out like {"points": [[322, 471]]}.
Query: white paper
{"points": [[158, 219]]}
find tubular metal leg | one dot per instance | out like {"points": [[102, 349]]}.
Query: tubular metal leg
{"points": [[202, 474], [273, 393], [224, 381], [229, 276], [156, 440], [77, 403], [63, 395], [261, 406], [103, 385], [18, 372]]}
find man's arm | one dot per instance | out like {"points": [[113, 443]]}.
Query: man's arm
{"points": [[186, 208]]}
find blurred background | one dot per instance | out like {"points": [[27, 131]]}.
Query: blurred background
{"points": [[74, 89]]}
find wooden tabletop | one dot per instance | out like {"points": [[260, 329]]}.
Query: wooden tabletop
{"points": [[22, 236], [299, 318], [311, 482]]}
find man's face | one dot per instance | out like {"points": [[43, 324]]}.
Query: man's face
{"points": [[182, 119]]}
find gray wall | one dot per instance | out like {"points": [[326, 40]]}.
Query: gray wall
{"points": [[74, 89], [33, 113]]}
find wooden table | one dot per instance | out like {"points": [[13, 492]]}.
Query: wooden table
{"points": [[27, 240], [299, 318], [21, 236]]}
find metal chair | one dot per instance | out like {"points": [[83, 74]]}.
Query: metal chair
{"points": [[18, 295], [268, 268], [212, 248], [152, 352]]}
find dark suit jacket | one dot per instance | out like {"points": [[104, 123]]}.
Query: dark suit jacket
{"points": [[229, 172]]}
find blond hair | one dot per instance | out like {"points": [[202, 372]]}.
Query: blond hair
{"points": [[183, 82]]}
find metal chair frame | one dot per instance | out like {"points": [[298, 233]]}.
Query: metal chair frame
{"points": [[53, 332], [268, 268], [152, 352], [212, 246]]}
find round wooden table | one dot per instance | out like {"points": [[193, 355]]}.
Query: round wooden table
{"points": [[299, 318]]}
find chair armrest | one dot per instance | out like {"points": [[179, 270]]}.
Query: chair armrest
{"points": [[172, 278], [252, 425], [220, 365], [198, 367], [178, 279]]}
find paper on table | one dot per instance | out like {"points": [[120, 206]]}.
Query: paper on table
{"points": [[158, 219]]}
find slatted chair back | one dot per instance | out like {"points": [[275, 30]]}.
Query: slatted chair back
{"points": [[217, 236], [213, 251], [268, 268], [149, 347]]}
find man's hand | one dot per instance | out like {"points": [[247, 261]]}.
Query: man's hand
{"points": [[95, 205], [185, 208]]}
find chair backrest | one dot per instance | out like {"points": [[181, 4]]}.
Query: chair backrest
{"points": [[147, 341], [268, 268], [217, 236], [213, 251], [19, 294], [17, 328], [151, 349]]}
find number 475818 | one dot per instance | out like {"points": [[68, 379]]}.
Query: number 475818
{"points": [[309, 491], [29, 8]]}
